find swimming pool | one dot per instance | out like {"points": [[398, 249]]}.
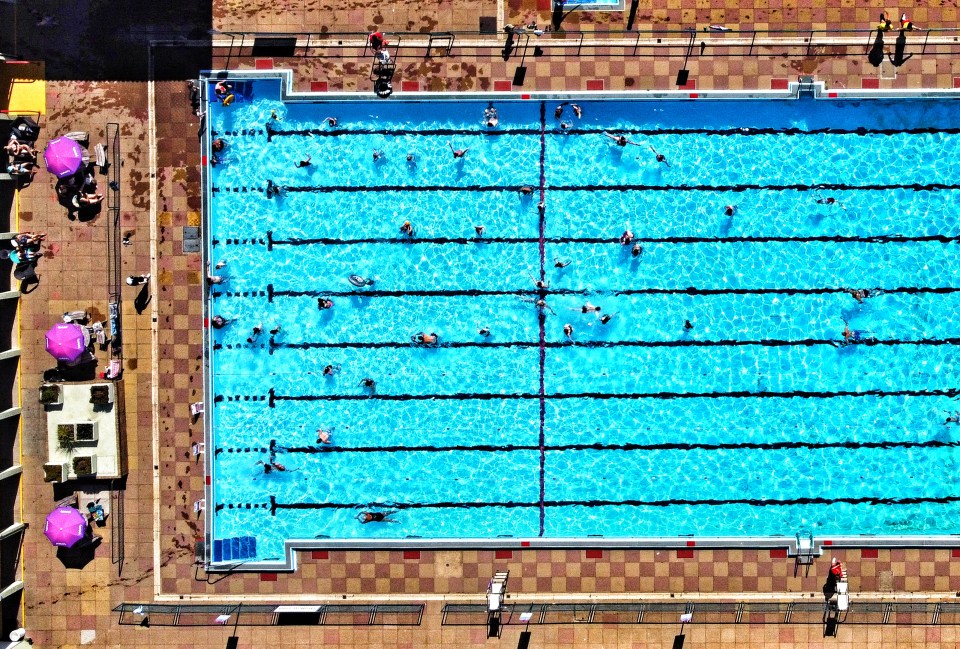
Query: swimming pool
{"points": [[721, 399]]}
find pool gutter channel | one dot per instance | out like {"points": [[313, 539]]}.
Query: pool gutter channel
{"points": [[823, 544]]}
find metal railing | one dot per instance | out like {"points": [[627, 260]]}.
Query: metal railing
{"points": [[269, 614], [734, 612], [645, 43], [114, 244]]}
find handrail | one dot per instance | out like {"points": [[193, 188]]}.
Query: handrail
{"points": [[861, 612], [646, 43], [308, 614]]}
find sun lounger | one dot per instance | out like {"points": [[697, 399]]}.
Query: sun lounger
{"points": [[100, 154], [81, 137]]}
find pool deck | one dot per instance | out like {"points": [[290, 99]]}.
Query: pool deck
{"points": [[160, 525]]}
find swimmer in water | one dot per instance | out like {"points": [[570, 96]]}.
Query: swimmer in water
{"points": [[589, 308], [324, 303], [637, 250], [490, 116], [660, 157], [621, 140], [561, 263], [457, 153], [568, 330], [577, 110], [730, 210], [407, 229], [376, 517], [626, 238], [606, 317], [323, 436]]}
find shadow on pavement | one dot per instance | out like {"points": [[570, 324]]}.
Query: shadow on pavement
{"points": [[94, 40]]}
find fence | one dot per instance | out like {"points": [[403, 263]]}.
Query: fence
{"points": [[752, 612], [649, 43], [270, 615]]}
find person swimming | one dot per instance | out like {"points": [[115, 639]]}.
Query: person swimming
{"points": [[360, 281], [422, 338], [491, 117]]}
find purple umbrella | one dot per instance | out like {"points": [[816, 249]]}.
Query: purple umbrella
{"points": [[65, 526], [63, 157], [67, 342]]}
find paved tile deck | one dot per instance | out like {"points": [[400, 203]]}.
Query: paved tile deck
{"points": [[60, 602]]}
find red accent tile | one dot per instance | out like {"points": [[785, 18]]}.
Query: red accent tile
{"points": [[525, 544], [691, 544], [263, 64], [956, 82], [779, 84], [208, 480], [955, 553], [410, 86], [690, 85], [319, 86], [870, 83], [319, 554], [502, 86], [832, 95], [524, 96], [778, 553], [684, 554], [828, 542], [594, 554], [595, 84], [869, 553], [411, 554], [544, 5], [503, 554], [694, 95], [203, 162], [268, 576]]}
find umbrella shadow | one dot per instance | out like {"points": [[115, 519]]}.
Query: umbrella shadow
{"points": [[142, 301], [77, 557]]}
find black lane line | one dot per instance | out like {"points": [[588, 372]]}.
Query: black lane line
{"points": [[350, 189], [541, 315], [713, 502], [543, 344], [526, 396], [908, 290], [273, 132], [323, 449], [328, 241]]}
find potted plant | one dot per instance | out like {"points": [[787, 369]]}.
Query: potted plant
{"points": [[84, 465], [51, 394], [66, 436], [54, 473], [100, 395]]}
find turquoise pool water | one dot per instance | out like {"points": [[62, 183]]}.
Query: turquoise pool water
{"points": [[721, 398]]}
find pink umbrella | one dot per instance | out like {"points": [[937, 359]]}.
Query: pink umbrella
{"points": [[67, 341], [63, 157], [65, 526]]}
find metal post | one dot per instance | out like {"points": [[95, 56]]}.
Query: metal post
{"points": [[923, 49], [753, 40]]}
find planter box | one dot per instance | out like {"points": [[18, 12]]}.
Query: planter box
{"points": [[101, 394], [81, 432], [55, 472], [51, 394], [85, 465], [86, 432]]}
